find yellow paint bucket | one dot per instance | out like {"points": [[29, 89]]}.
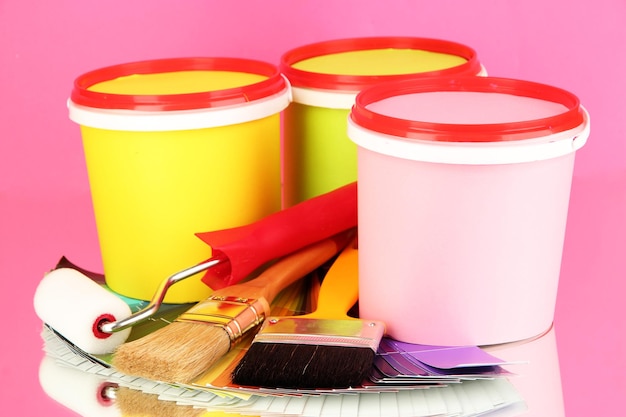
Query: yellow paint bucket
{"points": [[175, 147], [325, 79]]}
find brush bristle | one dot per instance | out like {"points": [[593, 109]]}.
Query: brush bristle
{"points": [[177, 353], [303, 366], [134, 403]]}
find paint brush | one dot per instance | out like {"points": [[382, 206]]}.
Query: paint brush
{"points": [[323, 349], [189, 346]]}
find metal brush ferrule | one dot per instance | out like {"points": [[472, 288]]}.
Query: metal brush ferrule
{"points": [[327, 332], [235, 315]]}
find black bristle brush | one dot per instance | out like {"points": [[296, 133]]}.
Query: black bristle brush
{"points": [[189, 346], [323, 349]]}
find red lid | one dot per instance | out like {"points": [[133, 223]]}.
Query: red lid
{"points": [[570, 118], [300, 78], [274, 84]]}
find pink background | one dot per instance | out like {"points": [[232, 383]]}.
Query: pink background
{"points": [[45, 208]]}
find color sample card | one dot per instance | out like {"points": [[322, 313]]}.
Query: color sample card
{"points": [[404, 363], [442, 357]]}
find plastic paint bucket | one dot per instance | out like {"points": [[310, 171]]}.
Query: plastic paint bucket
{"points": [[176, 147], [325, 78], [464, 187]]}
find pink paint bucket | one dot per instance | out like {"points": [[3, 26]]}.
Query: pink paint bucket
{"points": [[464, 187]]}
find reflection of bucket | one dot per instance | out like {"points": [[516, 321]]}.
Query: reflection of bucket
{"points": [[463, 195], [175, 147], [326, 77], [537, 374]]}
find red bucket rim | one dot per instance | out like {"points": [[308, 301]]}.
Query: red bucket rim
{"points": [[274, 84], [447, 132], [309, 79]]}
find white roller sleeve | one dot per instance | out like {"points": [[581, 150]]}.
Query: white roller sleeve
{"points": [[72, 304], [81, 392]]}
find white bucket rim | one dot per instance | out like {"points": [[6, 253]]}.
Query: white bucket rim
{"points": [[473, 153], [173, 120], [338, 98]]}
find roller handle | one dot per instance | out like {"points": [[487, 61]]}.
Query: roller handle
{"points": [[248, 247]]}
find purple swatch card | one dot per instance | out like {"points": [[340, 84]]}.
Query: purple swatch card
{"points": [[442, 357]]}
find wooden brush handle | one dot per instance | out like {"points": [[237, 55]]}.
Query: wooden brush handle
{"points": [[340, 287], [288, 270]]}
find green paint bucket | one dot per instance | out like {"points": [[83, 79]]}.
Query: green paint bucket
{"points": [[325, 77]]}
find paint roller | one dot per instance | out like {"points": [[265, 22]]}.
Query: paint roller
{"points": [[75, 305], [92, 395], [84, 393]]}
